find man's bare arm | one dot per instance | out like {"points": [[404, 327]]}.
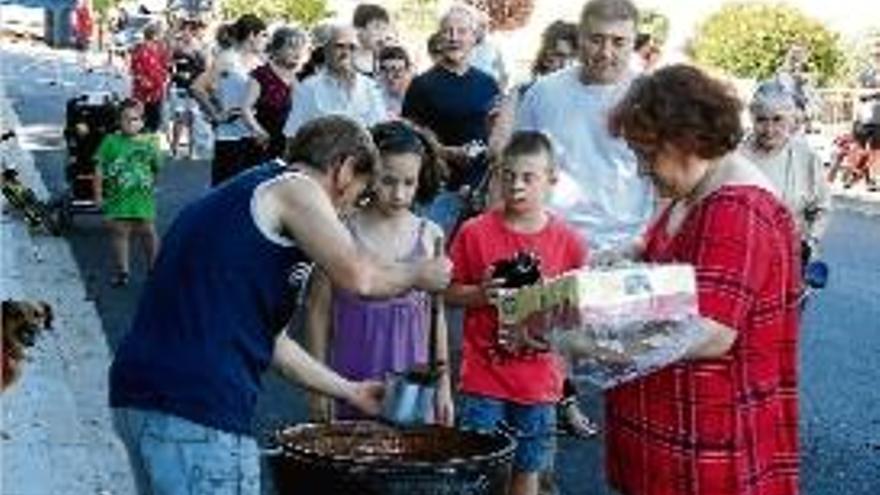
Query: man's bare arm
{"points": [[309, 217]]}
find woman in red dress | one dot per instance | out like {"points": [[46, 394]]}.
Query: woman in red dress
{"points": [[722, 421]]}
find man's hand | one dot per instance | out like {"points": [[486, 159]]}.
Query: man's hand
{"points": [[444, 405], [367, 396]]}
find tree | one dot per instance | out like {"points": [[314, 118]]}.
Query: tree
{"points": [[751, 40], [305, 12], [505, 15], [654, 23]]}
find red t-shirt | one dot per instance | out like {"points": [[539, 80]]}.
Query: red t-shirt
{"points": [[149, 71], [725, 426], [527, 379], [82, 23]]}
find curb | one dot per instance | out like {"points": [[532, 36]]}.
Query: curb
{"points": [[57, 434]]}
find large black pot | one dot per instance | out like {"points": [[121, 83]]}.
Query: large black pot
{"points": [[367, 458]]}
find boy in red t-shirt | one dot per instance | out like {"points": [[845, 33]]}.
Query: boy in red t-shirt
{"points": [[519, 389]]}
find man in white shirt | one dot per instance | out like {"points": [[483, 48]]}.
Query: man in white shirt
{"points": [[337, 88], [600, 190]]}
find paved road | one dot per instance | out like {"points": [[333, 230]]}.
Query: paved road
{"points": [[840, 337]]}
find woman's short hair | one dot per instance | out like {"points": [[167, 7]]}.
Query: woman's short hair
{"points": [[550, 38], [398, 136], [683, 106], [324, 142], [284, 37]]}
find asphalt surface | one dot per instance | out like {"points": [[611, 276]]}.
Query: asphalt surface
{"points": [[840, 339]]}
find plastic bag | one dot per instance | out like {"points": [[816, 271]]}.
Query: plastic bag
{"points": [[202, 136], [611, 325]]}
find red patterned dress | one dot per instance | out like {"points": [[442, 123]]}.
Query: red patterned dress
{"points": [[728, 425]]}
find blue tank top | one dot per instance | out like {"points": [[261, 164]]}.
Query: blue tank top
{"points": [[204, 331]]}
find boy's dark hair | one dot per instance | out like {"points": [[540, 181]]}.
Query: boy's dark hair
{"points": [[131, 104], [245, 26], [323, 142], [394, 52], [524, 143], [399, 136], [366, 13]]}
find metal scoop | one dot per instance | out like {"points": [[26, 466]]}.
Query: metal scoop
{"points": [[409, 395]]}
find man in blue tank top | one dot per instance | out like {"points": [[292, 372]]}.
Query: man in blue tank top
{"points": [[184, 381]]}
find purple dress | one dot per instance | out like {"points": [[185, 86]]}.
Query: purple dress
{"points": [[372, 337]]}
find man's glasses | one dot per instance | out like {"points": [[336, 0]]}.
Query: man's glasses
{"points": [[345, 46]]}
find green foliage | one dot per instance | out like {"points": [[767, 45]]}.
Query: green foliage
{"points": [[416, 15], [305, 12], [102, 7], [655, 23], [751, 40]]}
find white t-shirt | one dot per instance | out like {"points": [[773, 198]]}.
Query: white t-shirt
{"points": [[600, 190], [322, 94]]}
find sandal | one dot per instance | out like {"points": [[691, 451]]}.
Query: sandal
{"points": [[572, 421], [119, 280]]}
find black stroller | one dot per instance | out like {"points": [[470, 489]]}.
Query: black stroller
{"points": [[89, 117]]}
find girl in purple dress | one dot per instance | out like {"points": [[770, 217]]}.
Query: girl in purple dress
{"points": [[367, 338]]}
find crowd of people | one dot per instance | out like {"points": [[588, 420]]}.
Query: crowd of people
{"points": [[338, 171]]}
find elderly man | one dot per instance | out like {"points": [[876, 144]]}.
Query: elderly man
{"points": [[600, 189], [211, 320], [337, 88], [454, 100]]}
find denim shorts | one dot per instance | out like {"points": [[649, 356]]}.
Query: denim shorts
{"points": [[532, 425], [173, 456]]}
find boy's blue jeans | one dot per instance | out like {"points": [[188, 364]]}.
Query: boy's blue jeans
{"points": [[533, 427], [173, 456]]}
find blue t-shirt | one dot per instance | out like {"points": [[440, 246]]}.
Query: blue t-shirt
{"points": [[455, 107], [220, 292]]}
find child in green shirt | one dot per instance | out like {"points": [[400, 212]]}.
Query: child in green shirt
{"points": [[127, 164]]}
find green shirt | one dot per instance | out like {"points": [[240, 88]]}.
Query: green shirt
{"points": [[128, 166]]}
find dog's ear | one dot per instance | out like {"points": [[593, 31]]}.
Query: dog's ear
{"points": [[47, 314], [11, 309]]}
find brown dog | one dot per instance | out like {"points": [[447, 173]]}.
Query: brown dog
{"points": [[22, 321]]}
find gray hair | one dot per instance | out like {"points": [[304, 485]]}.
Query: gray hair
{"points": [[284, 37], [609, 10], [461, 8], [773, 95]]}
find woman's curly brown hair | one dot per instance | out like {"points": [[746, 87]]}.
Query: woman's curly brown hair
{"points": [[682, 106]]}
